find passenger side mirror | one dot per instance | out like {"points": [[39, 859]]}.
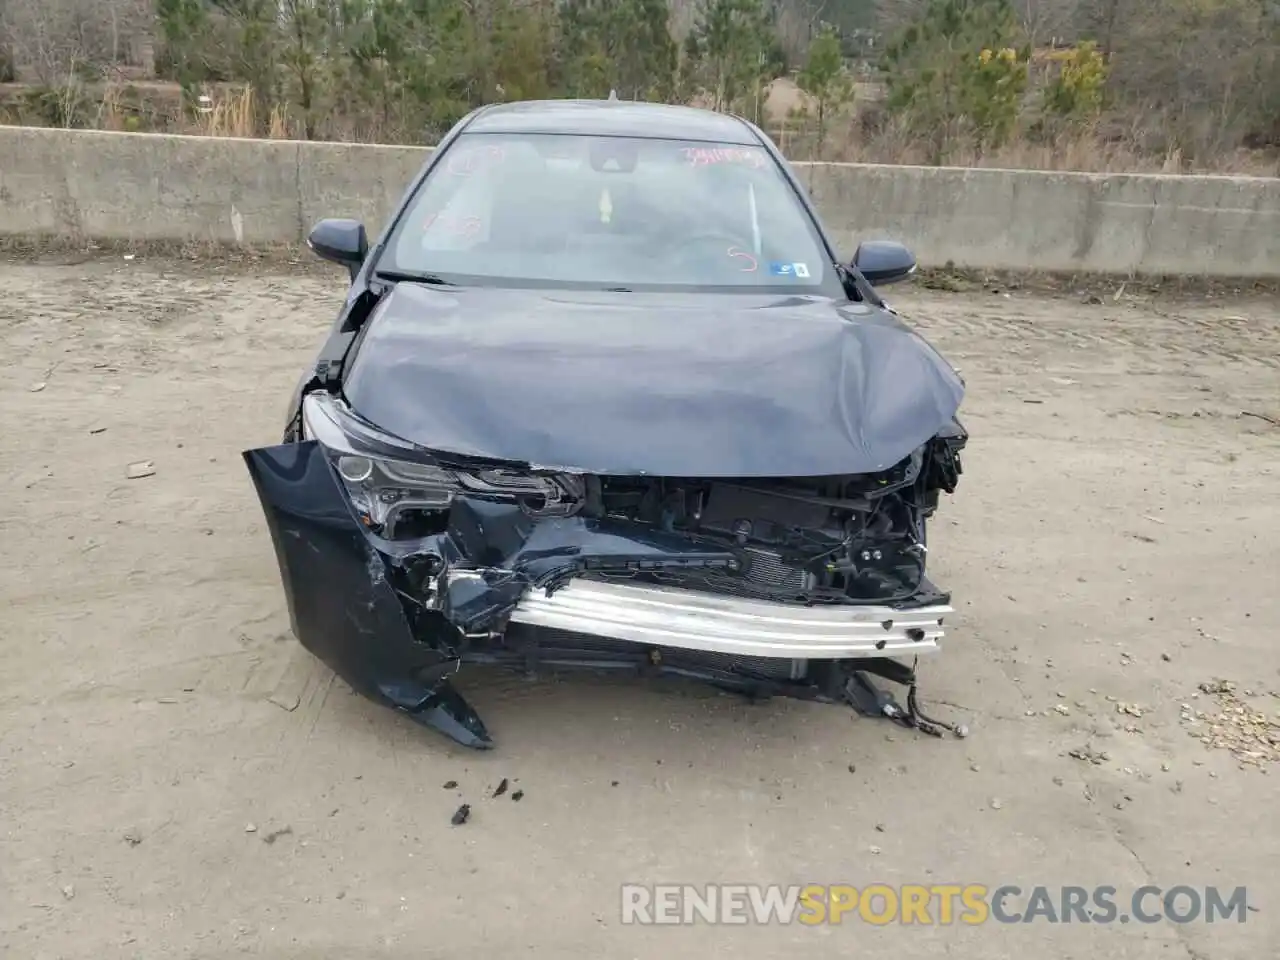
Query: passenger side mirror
{"points": [[883, 261], [341, 241]]}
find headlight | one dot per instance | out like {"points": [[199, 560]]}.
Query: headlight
{"points": [[398, 492]]}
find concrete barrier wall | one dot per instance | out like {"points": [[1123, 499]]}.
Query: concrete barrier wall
{"points": [[115, 186], [1030, 219]]}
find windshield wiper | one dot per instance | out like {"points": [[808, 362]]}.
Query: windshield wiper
{"points": [[398, 275]]}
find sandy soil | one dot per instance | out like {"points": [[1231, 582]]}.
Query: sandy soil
{"points": [[1116, 540]]}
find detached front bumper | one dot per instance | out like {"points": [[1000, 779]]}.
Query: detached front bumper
{"points": [[671, 617], [396, 618]]}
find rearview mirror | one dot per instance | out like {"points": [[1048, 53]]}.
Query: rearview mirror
{"points": [[341, 241], [883, 261]]}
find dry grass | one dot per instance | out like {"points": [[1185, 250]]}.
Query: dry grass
{"points": [[235, 114], [847, 141], [116, 103], [1084, 151], [232, 110], [791, 124]]}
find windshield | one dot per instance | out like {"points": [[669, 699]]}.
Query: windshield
{"points": [[609, 212]]}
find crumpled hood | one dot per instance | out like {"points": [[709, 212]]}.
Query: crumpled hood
{"points": [[665, 385]]}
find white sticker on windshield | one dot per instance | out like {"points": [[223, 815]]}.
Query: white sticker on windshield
{"points": [[800, 270]]}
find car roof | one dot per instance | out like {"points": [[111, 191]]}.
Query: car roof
{"points": [[613, 118]]}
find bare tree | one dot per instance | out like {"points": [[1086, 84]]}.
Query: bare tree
{"points": [[797, 23], [1104, 20], [6, 46], [1045, 21], [893, 15], [51, 40], [1202, 76]]}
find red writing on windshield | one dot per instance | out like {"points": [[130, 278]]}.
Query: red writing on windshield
{"points": [[706, 156], [749, 263], [464, 164]]}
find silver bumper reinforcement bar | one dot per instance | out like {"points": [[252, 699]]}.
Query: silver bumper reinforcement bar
{"points": [[686, 619]]}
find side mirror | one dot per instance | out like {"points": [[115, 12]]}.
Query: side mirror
{"points": [[341, 241], [883, 261]]}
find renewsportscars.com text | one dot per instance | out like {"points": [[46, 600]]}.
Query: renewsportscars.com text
{"points": [[927, 904]]}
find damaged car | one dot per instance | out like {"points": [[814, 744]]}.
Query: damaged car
{"points": [[602, 394]]}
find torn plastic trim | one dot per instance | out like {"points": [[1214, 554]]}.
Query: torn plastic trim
{"points": [[343, 604]]}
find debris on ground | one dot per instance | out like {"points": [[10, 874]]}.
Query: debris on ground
{"points": [[502, 788], [450, 785], [275, 835], [461, 815], [997, 803], [69, 891], [132, 837], [1089, 755], [1244, 413], [1218, 686], [518, 795], [946, 282], [140, 469], [250, 828], [1248, 734]]}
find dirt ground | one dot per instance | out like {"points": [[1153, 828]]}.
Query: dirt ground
{"points": [[178, 779]]}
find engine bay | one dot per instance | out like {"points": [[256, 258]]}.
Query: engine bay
{"points": [[859, 538]]}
